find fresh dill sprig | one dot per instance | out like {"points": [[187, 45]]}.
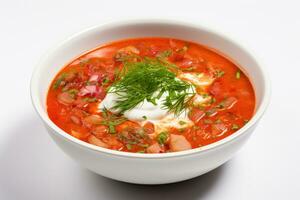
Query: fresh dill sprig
{"points": [[149, 79]]}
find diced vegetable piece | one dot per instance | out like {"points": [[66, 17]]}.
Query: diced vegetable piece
{"points": [[199, 100], [227, 103], [75, 119], [179, 143], [79, 135], [238, 74], [186, 63], [94, 78], [113, 142], [164, 54], [92, 90], [154, 148], [211, 112], [88, 90], [80, 102], [235, 127], [91, 120], [95, 141], [199, 80], [59, 81], [216, 89], [219, 73], [100, 131], [148, 128], [218, 129], [196, 115], [65, 98], [127, 125], [73, 92], [123, 53], [70, 76], [130, 49]]}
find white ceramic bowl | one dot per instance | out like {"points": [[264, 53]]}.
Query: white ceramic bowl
{"points": [[148, 168]]}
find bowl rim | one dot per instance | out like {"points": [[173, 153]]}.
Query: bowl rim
{"points": [[37, 104]]}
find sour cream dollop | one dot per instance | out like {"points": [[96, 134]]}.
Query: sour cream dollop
{"points": [[142, 111]]}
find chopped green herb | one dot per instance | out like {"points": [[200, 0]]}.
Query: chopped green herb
{"points": [[141, 151], [84, 61], [123, 57], [211, 112], [129, 146], [164, 54], [105, 81], [181, 130], [221, 105], [111, 127], [162, 138], [201, 107], [73, 92], [238, 75], [141, 133], [89, 99], [65, 89], [182, 122], [144, 117], [213, 100], [205, 95], [208, 121], [117, 72], [184, 48], [219, 73], [111, 121], [144, 145], [189, 68], [235, 127], [105, 113], [218, 121], [59, 80]]}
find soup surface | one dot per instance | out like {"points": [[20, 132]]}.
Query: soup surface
{"points": [[150, 95]]}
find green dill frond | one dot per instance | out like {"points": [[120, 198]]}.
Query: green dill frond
{"points": [[149, 79]]}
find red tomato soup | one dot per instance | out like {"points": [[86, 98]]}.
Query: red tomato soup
{"points": [[151, 95]]}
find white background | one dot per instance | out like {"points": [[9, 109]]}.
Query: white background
{"points": [[32, 167]]}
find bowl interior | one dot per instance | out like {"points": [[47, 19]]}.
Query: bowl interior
{"points": [[91, 38]]}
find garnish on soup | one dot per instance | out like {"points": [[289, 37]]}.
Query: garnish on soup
{"points": [[151, 95]]}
